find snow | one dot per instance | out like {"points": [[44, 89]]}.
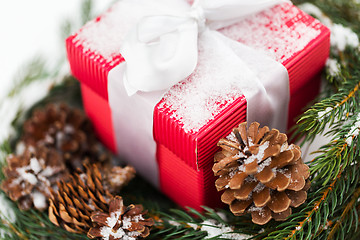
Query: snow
{"points": [[343, 36], [115, 217], [39, 200], [264, 164], [193, 226], [333, 67], [232, 137], [35, 165], [354, 131], [259, 187], [324, 113], [10, 106], [105, 37], [6, 211], [221, 231], [259, 156], [340, 36], [25, 176], [284, 40], [174, 223], [208, 90]]}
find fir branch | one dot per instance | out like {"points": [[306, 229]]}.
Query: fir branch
{"points": [[330, 111], [32, 71], [349, 207]]}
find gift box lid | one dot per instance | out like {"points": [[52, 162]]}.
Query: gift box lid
{"points": [[284, 32]]}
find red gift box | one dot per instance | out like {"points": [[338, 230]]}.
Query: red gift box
{"points": [[184, 157]]}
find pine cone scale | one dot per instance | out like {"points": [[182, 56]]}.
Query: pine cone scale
{"points": [[279, 202], [261, 216], [239, 207], [245, 190], [262, 197], [266, 175]]}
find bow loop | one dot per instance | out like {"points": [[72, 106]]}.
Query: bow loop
{"points": [[162, 50]]}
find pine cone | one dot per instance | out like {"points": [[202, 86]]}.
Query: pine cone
{"points": [[120, 222], [115, 177], [29, 177], [67, 130], [74, 202], [260, 173]]}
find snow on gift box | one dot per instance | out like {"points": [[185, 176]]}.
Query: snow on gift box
{"points": [[195, 113]]}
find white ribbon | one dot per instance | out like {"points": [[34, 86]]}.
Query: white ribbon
{"points": [[162, 50], [165, 47]]}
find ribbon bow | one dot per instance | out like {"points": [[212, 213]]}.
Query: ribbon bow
{"points": [[163, 50]]}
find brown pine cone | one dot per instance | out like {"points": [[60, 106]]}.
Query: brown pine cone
{"points": [[115, 177], [30, 176], [120, 222], [260, 173], [74, 202], [65, 129]]}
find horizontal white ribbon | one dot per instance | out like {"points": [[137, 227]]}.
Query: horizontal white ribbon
{"points": [[162, 50]]}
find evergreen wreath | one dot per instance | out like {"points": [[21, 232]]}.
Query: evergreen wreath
{"points": [[332, 208]]}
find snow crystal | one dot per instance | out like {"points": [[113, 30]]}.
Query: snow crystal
{"points": [[39, 200], [68, 129], [250, 178], [198, 99], [174, 223], [259, 187], [311, 9], [35, 165], [264, 164], [284, 172], [105, 37], [20, 148], [111, 221], [256, 209], [219, 230], [10, 106], [281, 41], [6, 211], [240, 155], [354, 131], [343, 36], [222, 216], [324, 113], [26, 176], [48, 139], [193, 226], [259, 156], [232, 137], [333, 67], [284, 147], [48, 171], [126, 222]]}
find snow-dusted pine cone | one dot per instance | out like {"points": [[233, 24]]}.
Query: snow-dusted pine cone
{"points": [[120, 222], [29, 177], [65, 129], [74, 202], [116, 177], [260, 173]]}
